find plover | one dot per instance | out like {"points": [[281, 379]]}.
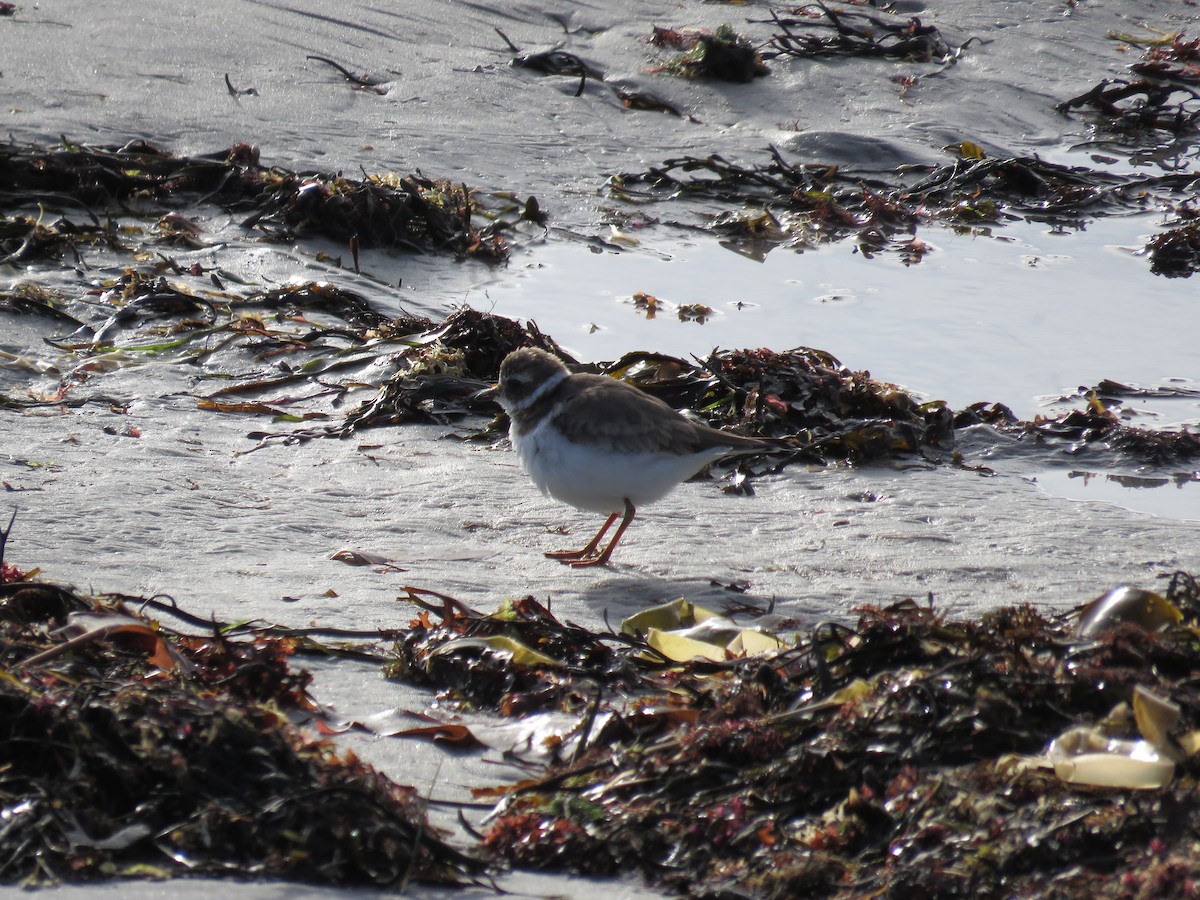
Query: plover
{"points": [[600, 444]]}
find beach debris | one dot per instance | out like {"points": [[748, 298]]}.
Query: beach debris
{"points": [[239, 92], [1175, 253], [720, 55], [800, 205], [1097, 756], [1156, 104], [410, 213], [380, 563], [1087, 756], [1152, 119], [556, 62], [450, 362], [1171, 56], [304, 349], [681, 632], [1146, 609], [824, 410], [856, 33], [644, 100], [8, 572], [694, 312], [356, 81], [1094, 430], [174, 754], [647, 304], [24, 239], [908, 752], [1006, 752], [562, 62]]}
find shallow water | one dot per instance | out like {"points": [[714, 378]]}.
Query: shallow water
{"points": [[1022, 317], [1172, 497]]}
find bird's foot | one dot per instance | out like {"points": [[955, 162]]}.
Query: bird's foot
{"points": [[586, 562], [579, 559], [568, 555]]}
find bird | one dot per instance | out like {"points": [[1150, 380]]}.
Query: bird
{"points": [[600, 444]]}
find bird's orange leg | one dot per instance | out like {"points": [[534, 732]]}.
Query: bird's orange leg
{"points": [[602, 558], [567, 556]]}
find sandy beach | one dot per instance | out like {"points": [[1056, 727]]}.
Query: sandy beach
{"points": [[162, 498]]}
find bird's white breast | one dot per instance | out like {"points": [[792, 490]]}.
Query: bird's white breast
{"points": [[600, 479]]}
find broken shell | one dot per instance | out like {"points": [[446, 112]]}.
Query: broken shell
{"points": [[1156, 716], [1086, 756]]}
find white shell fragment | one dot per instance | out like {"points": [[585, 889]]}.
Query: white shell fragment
{"points": [[1087, 756]]}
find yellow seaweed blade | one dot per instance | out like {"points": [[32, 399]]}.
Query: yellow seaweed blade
{"points": [[679, 613], [754, 643], [519, 653], [678, 648]]}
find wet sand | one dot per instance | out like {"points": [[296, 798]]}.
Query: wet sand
{"points": [[177, 511]]}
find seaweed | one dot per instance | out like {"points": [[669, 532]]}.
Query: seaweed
{"points": [[898, 757], [719, 55], [358, 82], [1093, 430], [469, 656], [1175, 252], [1162, 99], [784, 204], [1152, 118], [857, 33], [309, 346], [134, 750], [1156, 105], [411, 213], [25, 240]]}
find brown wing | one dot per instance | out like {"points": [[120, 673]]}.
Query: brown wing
{"points": [[608, 412]]}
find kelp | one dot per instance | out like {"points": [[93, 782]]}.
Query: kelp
{"points": [[719, 55], [438, 382], [519, 660], [850, 32], [803, 394], [825, 409], [783, 204], [366, 83], [1154, 119], [900, 756], [24, 239], [142, 317], [1139, 106], [310, 344], [1175, 252], [411, 213], [903, 754], [1162, 98], [1095, 430], [559, 62], [134, 750]]}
